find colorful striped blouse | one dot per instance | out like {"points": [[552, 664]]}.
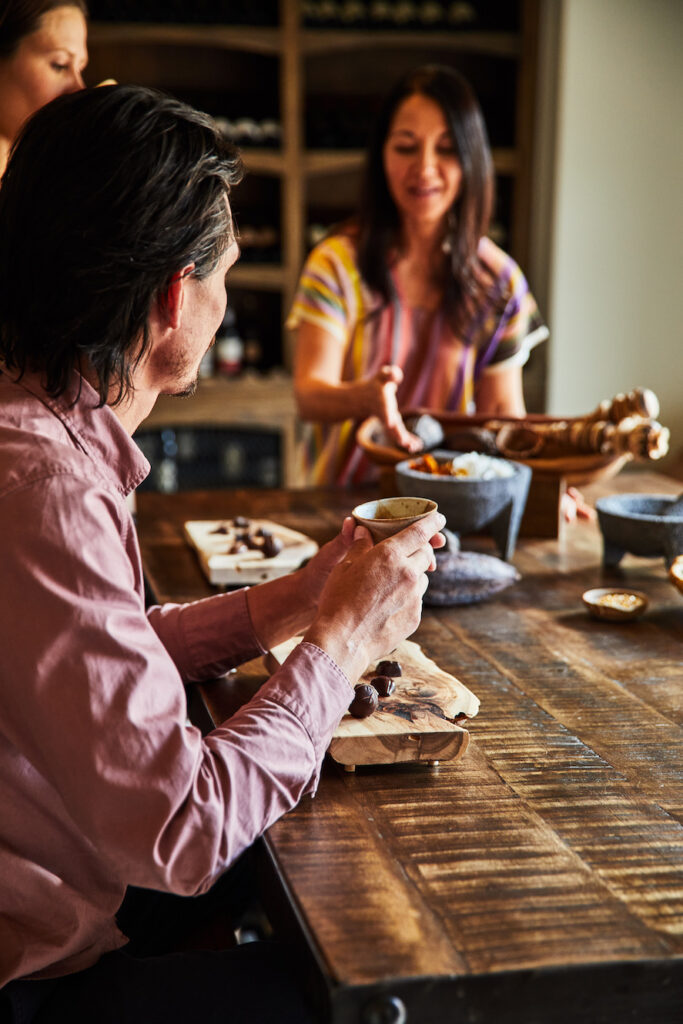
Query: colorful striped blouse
{"points": [[440, 370]]}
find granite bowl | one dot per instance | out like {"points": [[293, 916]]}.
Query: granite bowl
{"points": [[639, 524], [471, 504]]}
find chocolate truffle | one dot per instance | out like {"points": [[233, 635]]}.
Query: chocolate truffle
{"points": [[384, 685], [364, 702], [389, 668], [272, 546]]}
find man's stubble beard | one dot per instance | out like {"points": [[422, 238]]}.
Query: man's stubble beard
{"points": [[189, 391]]}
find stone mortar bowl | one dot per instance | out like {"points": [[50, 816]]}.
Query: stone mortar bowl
{"points": [[639, 524], [469, 504]]}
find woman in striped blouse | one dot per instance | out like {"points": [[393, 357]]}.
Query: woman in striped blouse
{"points": [[410, 303]]}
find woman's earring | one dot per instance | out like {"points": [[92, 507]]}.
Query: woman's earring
{"points": [[447, 245]]}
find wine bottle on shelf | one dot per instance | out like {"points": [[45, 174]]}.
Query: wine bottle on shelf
{"points": [[247, 131], [404, 14], [207, 367], [380, 14], [253, 349], [229, 346], [327, 13], [461, 15], [431, 15], [308, 13], [353, 14]]}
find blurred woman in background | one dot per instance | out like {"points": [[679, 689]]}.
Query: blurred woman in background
{"points": [[410, 303], [43, 53]]}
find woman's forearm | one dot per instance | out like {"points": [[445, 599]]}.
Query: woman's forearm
{"points": [[501, 393], [331, 403]]}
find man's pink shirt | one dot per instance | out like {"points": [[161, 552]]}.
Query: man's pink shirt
{"points": [[103, 784]]}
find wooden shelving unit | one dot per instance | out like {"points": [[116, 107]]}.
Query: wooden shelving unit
{"points": [[166, 56], [248, 402]]}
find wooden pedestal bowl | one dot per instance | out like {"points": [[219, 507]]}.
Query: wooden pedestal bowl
{"points": [[575, 470]]}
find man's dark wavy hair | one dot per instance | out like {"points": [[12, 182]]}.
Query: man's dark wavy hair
{"points": [[377, 222], [108, 193]]}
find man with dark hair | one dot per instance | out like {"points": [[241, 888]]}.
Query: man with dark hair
{"points": [[115, 239]]}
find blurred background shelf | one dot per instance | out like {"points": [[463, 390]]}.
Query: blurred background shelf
{"points": [[230, 433]]}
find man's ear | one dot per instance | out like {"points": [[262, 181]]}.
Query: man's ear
{"points": [[170, 301]]}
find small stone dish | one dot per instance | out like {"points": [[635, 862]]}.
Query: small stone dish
{"points": [[388, 516], [615, 604]]}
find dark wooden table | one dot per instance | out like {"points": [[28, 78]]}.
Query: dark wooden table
{"points": [[539, 879]]}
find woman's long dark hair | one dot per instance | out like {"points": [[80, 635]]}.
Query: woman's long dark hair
{"points": [[19, 18], [377, 222]]}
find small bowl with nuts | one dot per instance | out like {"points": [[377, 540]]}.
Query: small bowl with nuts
{"points": [[614, 604]]}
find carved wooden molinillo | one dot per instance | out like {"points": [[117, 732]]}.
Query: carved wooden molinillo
{"points": [[642, 439], [626, 425], [639, 402]]}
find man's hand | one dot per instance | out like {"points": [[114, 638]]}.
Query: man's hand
{"points": [[373, 597], [313, 577], [285, 606]]}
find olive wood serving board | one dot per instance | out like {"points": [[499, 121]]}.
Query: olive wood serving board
{"points": [[225, 569], [415, 723]]}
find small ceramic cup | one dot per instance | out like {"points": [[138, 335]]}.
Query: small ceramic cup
{"points": [[388, 516]]}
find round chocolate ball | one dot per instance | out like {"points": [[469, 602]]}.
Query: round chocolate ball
{"points": [[384, 685], [389, 668], [364, 702]]}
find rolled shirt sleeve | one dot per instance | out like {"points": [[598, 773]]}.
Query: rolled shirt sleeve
{"points": [[207, 638]]}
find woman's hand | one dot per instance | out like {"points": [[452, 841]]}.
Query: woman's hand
{"points": [[382, 390], [574, 506], [322, 395], [373, 597]]}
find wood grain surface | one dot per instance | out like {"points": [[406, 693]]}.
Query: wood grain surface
{"points": [[415, 723], [538, 880]]}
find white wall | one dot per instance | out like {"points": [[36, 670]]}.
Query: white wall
{"points": [[615, 277]]}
